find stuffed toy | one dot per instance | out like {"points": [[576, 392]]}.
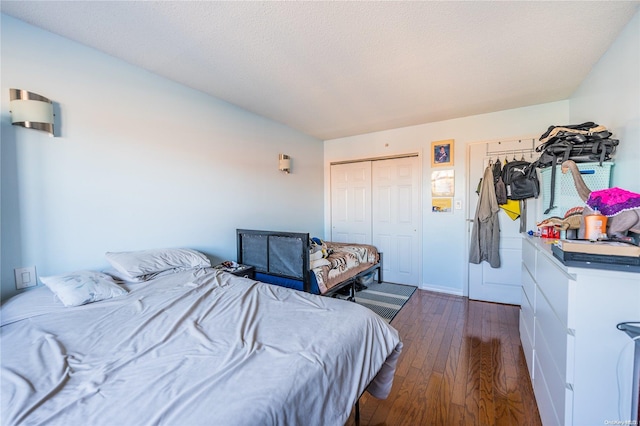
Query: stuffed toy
{"points": [[317, 245]]}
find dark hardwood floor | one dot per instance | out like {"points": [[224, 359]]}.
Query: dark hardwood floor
{"points": [[462, 364]]}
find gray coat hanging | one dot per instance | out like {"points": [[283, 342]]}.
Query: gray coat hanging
{"points": [[485, 236]]}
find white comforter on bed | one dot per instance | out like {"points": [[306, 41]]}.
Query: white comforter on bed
{"points": [[192, 348]]}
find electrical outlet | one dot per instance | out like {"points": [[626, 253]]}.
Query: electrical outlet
{"points": [[25, 277]]}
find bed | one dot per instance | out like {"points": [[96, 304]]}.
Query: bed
{"points": [[187, 345], [283, 258]]}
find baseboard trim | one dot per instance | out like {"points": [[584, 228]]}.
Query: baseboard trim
{"points": [[440, 289]]}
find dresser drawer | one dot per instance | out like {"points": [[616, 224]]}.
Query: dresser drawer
{"points": [[548, 407], [529, 286], [527, 340], [553, 283], [527, 312], [551, 347], [529, 255]]}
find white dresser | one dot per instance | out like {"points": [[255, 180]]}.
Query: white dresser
{"points": [[580, 365]]}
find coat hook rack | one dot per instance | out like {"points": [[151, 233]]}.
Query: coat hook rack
{"points": [[513, 152]]}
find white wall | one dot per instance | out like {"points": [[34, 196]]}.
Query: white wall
{"points": [[140, 162], [610, 95], [444, 257]]}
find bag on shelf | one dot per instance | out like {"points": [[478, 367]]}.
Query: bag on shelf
{"points": [[582, 143]]}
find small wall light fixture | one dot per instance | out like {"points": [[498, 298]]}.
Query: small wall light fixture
{"points": [[31, 110], [284, 163]]}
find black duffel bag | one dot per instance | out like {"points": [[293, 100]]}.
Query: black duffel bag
{"points": [[562, 150], [574, 142]]}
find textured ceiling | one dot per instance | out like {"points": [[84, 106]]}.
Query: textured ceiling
{"points": [[334, 69]]}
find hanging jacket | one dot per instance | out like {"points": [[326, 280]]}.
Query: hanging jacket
{"points": [[485, 236], [500, 187]]}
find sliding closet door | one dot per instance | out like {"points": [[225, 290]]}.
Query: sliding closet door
{"points": [[396, 218], [351, 203]]}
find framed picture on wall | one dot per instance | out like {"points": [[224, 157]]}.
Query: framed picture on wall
{"points": [[442, 205], [442, 183], [442, 153]]}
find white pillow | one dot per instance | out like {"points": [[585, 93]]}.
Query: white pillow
{"points": [[318, 263], [144, 262], [82, 287], [120, 278], [315, 256]]}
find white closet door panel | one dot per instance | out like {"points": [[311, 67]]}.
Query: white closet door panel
{"points": [[396, 218], [384, 204], [405, 245], [358, 238], [384, 243], [405, 203], [340, 205], [351, 202], [361, 207], [340, 237]]}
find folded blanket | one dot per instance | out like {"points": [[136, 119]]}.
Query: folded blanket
{"points": [[345, 261]]}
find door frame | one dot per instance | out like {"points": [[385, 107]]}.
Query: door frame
{"points": [[533, 205]]}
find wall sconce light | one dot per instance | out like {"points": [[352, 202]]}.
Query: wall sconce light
{"points": [[31, 110], [284, 163]]}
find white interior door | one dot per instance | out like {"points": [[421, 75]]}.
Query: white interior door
{"points": [[351, 203], [503, 284], [396, 217]]}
